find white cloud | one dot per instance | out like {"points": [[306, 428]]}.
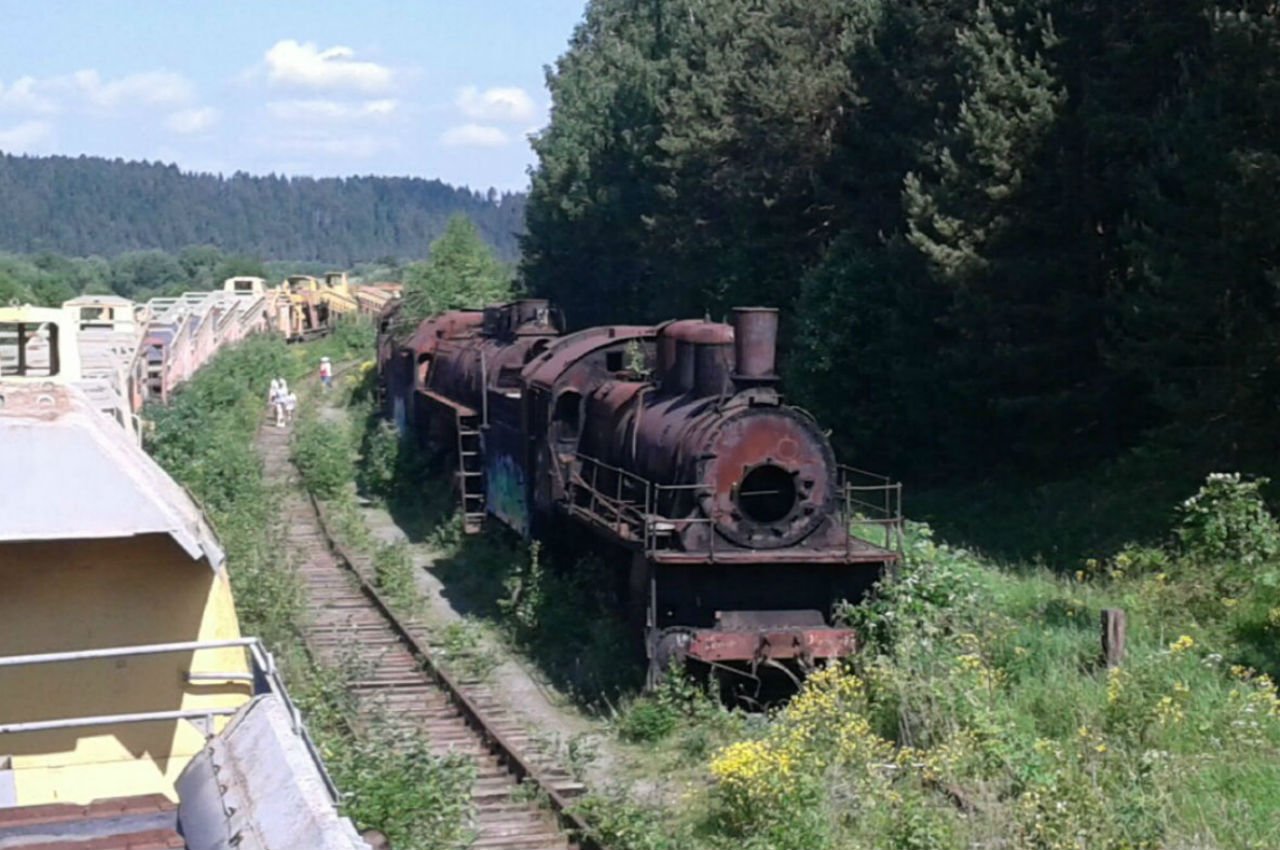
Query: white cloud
{"points": [[24, 95], [196, 120], [87, 88], [474, 136], [510, 104], [331, 110], [27, 137], [149, 88], [305, 65]]}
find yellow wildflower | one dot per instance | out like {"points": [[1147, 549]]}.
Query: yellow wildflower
{"points": [[1182, 644], [1115, 685]]}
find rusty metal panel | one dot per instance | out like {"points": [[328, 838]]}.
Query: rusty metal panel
{"points": [[72, 473], [546, 368], [778, 644]]}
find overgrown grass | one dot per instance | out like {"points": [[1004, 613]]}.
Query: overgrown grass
{"points": [[393, 575], [322, 452], [390, 778], [980, 714], [204, 438]]}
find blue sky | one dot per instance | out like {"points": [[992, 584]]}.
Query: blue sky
{"points": [[429, 89]]}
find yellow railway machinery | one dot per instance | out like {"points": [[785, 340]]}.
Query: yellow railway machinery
{"points": [[123, 673], [340, 294]]}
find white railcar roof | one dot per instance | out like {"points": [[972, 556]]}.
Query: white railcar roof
{"points": [[70, 472]]}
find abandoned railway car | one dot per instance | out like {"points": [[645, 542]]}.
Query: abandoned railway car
{"points": [[133, 353], [133, 712], [673, 444]]}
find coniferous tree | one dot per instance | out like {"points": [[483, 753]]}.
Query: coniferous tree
{"points": [[460, 272], [1197, 319]]}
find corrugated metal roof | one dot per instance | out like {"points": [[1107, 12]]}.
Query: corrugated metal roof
{"points": [[70, 472]]}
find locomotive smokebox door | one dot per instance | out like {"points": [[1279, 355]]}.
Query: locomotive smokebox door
{"points": [[768, 475]]}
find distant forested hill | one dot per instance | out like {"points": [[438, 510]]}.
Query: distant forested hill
{"points": [[81, 206]]}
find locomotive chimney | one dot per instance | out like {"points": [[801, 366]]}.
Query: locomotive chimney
{"points": [[755, 346]]}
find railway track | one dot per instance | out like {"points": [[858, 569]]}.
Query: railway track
{"points": [[396, 681]]}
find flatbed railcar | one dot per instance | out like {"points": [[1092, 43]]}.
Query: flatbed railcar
{"points": [[673, 445], [133, 712]]}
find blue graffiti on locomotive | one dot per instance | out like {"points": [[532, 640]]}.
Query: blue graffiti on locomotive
{"points": [[505, 491]]}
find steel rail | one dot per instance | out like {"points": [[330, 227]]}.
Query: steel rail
{"points": [[506, 751]]}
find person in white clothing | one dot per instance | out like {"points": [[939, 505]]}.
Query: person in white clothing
{"points": [[290, 404], [275, 398]]}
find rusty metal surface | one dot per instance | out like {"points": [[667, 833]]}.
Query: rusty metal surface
{"points": [[81, 477], [548, 368], [145, 822], [778, 644], [489, 356], [672, 441], [755, 344]]}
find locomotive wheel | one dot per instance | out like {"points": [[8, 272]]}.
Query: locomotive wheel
{"points": [[668, 650]]}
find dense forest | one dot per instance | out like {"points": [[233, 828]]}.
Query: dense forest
{"points": [[84, 206], [1005, 234], [48, 279]]}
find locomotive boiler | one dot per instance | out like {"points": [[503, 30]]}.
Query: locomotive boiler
{"points": [[674, 445]]}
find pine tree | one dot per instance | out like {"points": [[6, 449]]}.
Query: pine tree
{"points": [[1198, 316], [460, 272]]}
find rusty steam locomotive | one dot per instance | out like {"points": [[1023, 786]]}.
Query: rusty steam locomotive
{"points": [[672, 443]]}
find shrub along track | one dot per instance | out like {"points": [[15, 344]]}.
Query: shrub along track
{"points": [[395, 681]]}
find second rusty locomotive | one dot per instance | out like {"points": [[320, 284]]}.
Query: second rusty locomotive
{"points": [[673, 444]]}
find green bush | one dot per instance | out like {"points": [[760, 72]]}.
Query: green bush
{"points": [[394, 575], [462, 643], [646, 721], [380, 459], [322, 452], [677, 700], [393, 783], [1228, 521]]}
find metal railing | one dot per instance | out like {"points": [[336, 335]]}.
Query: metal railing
{"points": [[265, 678], [641, 511], [859, 490]]}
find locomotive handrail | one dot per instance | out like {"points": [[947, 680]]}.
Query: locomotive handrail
{"points": [[645, 523], [887, 513]]}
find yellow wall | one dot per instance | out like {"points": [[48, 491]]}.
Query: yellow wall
{"points": [[92, 594]]}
